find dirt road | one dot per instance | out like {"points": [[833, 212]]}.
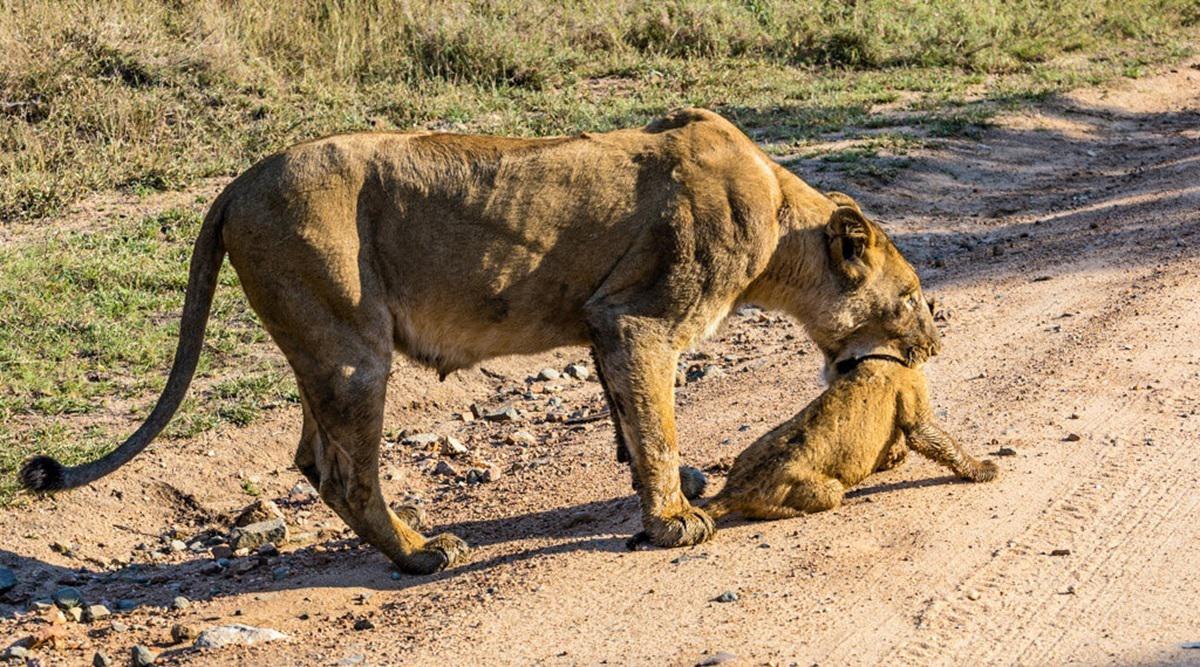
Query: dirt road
{"points": [[1066, 246]]}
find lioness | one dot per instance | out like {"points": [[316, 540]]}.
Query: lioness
{"points": [[873, 412], [453, 249]]}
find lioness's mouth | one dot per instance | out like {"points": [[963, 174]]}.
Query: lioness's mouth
{"points": [[916, 355]]}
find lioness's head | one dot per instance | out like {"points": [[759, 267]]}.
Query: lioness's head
{"points": [[872, 303]]}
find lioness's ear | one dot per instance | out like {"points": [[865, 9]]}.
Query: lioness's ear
{"points": [[849, 235], [843, 199]]}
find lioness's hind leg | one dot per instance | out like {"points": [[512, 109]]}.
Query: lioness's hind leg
{"points": [[306, 451]]}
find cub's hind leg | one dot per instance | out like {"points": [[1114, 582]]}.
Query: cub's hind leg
{"points": [[802, 494], [815, 493], [931, 441]]}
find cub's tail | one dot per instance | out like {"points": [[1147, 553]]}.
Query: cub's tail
{"points": [[43, 473]]}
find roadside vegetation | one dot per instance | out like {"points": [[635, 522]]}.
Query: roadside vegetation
{"points": [[147, 96]]}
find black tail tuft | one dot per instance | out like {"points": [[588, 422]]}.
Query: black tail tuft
{"points": [[41, 474]]}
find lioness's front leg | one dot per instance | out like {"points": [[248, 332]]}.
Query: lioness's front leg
{"points": [[639, 366], [929, 440]]}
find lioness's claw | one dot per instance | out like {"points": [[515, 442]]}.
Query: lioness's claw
{"points": [[440, 552], [692, 526]]}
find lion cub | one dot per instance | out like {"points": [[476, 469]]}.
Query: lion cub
{"points": [[871, 414]]}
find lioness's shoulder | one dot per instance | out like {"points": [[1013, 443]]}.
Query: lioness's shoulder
{"points": [[700, 126]]}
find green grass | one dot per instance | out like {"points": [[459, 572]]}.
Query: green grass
{"points": [[145, 96], [152, 95], [89, 319]]}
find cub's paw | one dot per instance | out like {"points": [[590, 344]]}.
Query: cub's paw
{"points": [[691, 526], [440, 552], [412, 515], [692, 482], [986, 471]]}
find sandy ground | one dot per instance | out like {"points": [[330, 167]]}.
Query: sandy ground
{"points": [[1065, 244]]}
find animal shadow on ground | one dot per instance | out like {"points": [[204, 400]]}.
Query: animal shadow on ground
{"points": [[602, 525]]}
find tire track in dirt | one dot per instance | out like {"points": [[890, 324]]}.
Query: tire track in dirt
{"points": [[1108, 521]]}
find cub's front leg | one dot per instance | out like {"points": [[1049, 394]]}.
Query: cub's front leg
{"points": [[929, 440]]}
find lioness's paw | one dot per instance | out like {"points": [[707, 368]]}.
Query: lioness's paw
{"points": [[440, 552], [691, 526]]}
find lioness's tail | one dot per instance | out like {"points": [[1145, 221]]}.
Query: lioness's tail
{"points": [[43, 473]]}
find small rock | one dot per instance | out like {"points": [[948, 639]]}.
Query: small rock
{"points": [[8, 580], [268, 550], [718, 658], [452, 446], [421, 440], [302, 492], [446, 469], [356, 659], [394, 474], [75, 613], [727, 596], [548, 374], [222, 551], [16, 652], [280, 572], [68, 597], [364, 624], [118, 626], [1060, 552], [257, 512], [99, 659], [578, 371], [142, 656], [505, 414], [483, 475], [692, 482], [973, 594], [1072, 437], [96, 612], [521, 438], [181, 632], [228, 635], [180, 603], [180, 545], [1006, 451], [254, 535]]}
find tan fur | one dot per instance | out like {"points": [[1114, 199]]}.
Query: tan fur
{"points": [[453, 249], [864, 422]]}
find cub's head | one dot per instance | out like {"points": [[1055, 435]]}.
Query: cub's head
{"points": [[872, 303]]}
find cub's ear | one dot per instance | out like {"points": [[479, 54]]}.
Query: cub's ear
{"points": [[843, 199], [849, 236]]}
